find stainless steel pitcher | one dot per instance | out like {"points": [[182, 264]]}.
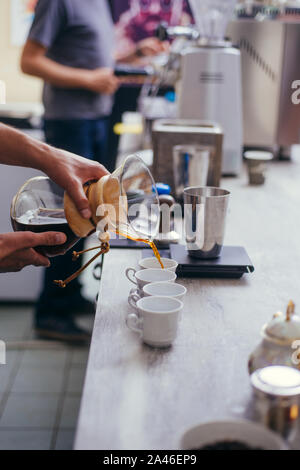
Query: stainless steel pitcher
{"points": [[205, 211]]}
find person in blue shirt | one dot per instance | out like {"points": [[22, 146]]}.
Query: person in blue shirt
{"points": [[70, 46]]}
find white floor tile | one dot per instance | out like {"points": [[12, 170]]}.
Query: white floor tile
{"points": [[14, 439], [29, 410]]}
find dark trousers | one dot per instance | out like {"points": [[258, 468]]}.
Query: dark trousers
{"points": [[87, 138], [126, 99]]}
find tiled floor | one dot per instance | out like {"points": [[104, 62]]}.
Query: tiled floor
{"points": [[40, 389], [41, 383]]}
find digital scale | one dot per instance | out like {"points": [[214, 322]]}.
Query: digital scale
{"points": [[233, 262]]}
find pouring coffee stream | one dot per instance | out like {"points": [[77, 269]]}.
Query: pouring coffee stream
{"points": [[148, 242], [120, 204]]}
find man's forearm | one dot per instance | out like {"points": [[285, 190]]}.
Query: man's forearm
{"points": [[19, 149], [35, 62], [66, 169], [55, 73]]}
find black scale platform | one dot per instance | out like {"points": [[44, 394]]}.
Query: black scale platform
{"points": [[233, 262]]}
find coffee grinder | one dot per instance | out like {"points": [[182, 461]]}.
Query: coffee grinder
{"points": [[206, 70]]}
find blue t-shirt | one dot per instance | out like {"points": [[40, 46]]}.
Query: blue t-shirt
{"points": [[76, 33]]}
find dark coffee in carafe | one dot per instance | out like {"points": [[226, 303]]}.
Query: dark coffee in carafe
{"points": [[46, 220]]}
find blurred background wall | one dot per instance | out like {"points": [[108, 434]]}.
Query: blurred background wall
{"points": [[23, 95], [19, 88]]}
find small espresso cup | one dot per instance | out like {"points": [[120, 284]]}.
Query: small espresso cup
{"points": [[156, 320], [152, 262], [257, 163], [147, 276], [164, 289]]}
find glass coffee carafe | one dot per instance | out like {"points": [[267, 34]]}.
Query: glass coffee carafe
{"points": [[124, 203], [39, 207]]}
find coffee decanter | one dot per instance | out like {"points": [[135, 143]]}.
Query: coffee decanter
{"points": [[123, 204]]}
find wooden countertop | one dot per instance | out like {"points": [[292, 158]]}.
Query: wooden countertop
{"points": [[136, 397]]}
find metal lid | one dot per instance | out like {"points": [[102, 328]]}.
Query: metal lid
{"points": [[277, 381], [258, 155]]}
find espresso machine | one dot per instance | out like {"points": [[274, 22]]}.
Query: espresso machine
{"points": [[269, 41], [206, 71]]}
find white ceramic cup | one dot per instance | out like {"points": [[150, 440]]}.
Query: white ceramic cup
{"points": [[257, 162], [152, 262], [165, 289], [156, 320], [147, 276]]}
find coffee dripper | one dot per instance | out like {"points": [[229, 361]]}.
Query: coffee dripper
{"points": [[124, 203]]}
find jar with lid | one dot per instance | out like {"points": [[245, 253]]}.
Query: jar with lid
{"points": [[280, 340]]}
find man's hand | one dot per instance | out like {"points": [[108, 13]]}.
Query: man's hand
{"points": [[17, 249], [102, 80], [140, 53], [70, 172], [35, 62], [151, 46]]}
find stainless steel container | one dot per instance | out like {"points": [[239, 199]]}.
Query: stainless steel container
{"points": [[270, 65], [276, 399], [190, 166], [167, 133], [205, 211]]}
